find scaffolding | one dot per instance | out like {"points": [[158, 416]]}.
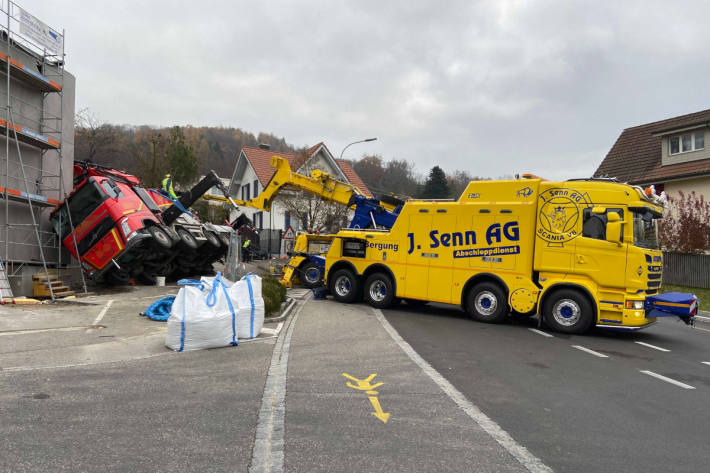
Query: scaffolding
{"points": [[32, 76]]}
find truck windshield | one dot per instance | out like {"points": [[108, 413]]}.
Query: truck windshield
{"points": [[81, 204], [645, 230]]}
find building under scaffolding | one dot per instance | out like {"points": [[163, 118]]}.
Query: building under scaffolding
{"points": [[36, 142]]}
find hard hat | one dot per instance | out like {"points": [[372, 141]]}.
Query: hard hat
{"points": [[167, 175]]}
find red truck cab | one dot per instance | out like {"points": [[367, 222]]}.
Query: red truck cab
{"points": [[117, 228]]}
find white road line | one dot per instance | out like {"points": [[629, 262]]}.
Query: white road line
{"points": [[591, 352], [102, 313], [540, 332], [702, 317], [668, 380], [705, 362], [40, 330], [268, 452], [520, 453], [652, 346]]}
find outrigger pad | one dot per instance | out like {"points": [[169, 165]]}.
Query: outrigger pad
{"points": [[679, 304]]}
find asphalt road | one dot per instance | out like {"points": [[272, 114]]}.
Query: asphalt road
{"points": [[578, 410]]}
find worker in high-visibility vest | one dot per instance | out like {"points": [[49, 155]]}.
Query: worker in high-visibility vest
{"points": [[245, 250], [167, 186]]}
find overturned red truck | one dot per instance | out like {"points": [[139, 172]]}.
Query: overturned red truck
{"points": [[120, 230]]}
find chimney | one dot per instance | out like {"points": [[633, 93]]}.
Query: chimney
{"points": [[264, 146]]}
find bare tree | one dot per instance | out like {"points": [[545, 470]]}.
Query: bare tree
{"points": [[94, 140]]}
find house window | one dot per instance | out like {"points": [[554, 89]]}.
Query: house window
{"points": [[245, 192], [287, 219], [259, 221], [686, 143], [256, 187]]}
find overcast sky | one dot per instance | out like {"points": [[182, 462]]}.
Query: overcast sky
{"points": [[492, 87]]}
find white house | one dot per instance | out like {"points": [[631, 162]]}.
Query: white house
{"points": [[253, 171]]}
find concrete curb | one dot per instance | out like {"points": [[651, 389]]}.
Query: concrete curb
{"points": [[283, 316]]}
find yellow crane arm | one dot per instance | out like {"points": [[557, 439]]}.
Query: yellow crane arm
{"points": [[319, 183]]}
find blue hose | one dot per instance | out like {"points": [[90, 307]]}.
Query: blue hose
{"points": [[160, 309]]}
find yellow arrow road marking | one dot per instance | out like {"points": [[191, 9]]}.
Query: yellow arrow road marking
{"points": [[383, 416], [363, 384]]}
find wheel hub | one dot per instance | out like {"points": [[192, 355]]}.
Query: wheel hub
{"points": [[378, 291], [312, 275], [566, 312], [342, 286], [486, 303]]}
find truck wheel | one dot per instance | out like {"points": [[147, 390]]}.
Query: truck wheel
{"points": [[379, 291], [212, 239], [147, 279], [224, 241], [187, 238], [568, 311], [486, 302], [117, 277], [344, 286], [160, 237], [311, 275]]}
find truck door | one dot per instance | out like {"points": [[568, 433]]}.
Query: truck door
{"points": [[594, 255], [418, 260]]}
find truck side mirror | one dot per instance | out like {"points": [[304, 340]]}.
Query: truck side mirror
{"points": [[613, 228]]}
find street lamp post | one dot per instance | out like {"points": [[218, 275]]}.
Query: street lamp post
{"points": [[355, 142]]}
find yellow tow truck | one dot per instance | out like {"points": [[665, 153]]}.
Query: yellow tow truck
{"points": [[580, 253]]}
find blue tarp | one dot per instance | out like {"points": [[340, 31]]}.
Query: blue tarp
{"points": [[160, 309]]}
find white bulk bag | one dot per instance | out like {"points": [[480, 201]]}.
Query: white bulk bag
{"points": [[202, 316], [246, 295]]}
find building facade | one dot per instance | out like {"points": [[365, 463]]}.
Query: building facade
{"points": [[36, 142], [671, 154]]}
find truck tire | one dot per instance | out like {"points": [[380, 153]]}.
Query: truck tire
{"points": [[379, 291], [311, 275], [568, 311], [147, 279], [187, 238], [212, 240], [486, 302], [344, 286], [160, 237], [117, 277], [224, 241]]}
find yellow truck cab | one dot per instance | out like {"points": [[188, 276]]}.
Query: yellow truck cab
{"points": [[580, 253]]}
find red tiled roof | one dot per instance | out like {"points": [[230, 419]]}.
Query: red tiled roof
{"points": [[636, 155], [260, 160], [352, 177]]}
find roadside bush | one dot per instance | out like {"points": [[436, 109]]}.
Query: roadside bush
{"points": [[272, 292]]}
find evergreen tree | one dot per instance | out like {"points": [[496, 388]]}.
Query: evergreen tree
{"points": [[182, 159], [436, 186]]}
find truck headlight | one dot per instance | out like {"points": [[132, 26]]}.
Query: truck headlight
{"points": [[638, 305], [126, 229]]}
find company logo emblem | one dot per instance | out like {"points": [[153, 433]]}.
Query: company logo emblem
{"points": [[559, 213], [524, 192]]}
